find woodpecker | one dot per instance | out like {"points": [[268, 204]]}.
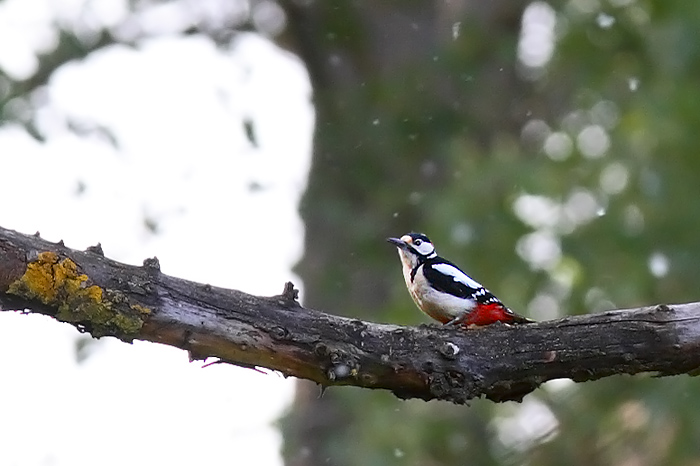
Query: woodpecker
{"points": [[441, 290]]}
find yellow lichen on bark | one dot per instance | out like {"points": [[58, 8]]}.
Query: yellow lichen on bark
{"points": [[38, 281], [52, 281], [58, 284]]}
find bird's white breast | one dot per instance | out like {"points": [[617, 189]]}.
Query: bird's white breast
{"points": [[438, 305]]}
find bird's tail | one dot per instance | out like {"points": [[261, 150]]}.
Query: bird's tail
{"points": [[518, 319]]}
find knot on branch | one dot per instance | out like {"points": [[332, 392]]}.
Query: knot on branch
{"points": [[663, 308], [152, 264], [96, 249], [289, 297], [449, 350], [279, 333], [339, 364]]}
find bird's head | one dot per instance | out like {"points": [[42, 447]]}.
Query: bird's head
{"points": [[413, 248]]}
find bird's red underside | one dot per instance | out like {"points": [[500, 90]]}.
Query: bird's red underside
{"points": [[486, 314]]}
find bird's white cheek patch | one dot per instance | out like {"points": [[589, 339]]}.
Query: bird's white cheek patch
{"points": [[427, 250]]}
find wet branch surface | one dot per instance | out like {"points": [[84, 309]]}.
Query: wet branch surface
{"points": [[104, 297]]}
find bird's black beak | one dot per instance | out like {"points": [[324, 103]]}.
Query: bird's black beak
{"points": [[398, 243]]}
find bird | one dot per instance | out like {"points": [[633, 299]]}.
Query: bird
{"points": [[443, 291]]}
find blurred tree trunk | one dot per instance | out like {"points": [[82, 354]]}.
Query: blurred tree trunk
{"points": [[393, 83]]}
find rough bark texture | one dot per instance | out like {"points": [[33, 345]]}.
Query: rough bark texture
{"points": [[502, 363]]}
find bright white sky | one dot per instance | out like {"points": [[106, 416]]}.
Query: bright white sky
{"points": [[176, 107]]}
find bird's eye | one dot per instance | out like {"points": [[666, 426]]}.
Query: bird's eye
{"points": [[418, 242]]}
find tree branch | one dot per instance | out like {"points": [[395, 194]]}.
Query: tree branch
{"points": [[104, 297]]}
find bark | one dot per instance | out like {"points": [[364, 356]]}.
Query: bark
{"points": [[501, 363]]}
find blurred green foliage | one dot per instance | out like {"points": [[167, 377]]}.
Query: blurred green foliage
{"points": [[566, 189]]}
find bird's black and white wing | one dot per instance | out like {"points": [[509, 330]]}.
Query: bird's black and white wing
{"points": [[446, 277]]}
